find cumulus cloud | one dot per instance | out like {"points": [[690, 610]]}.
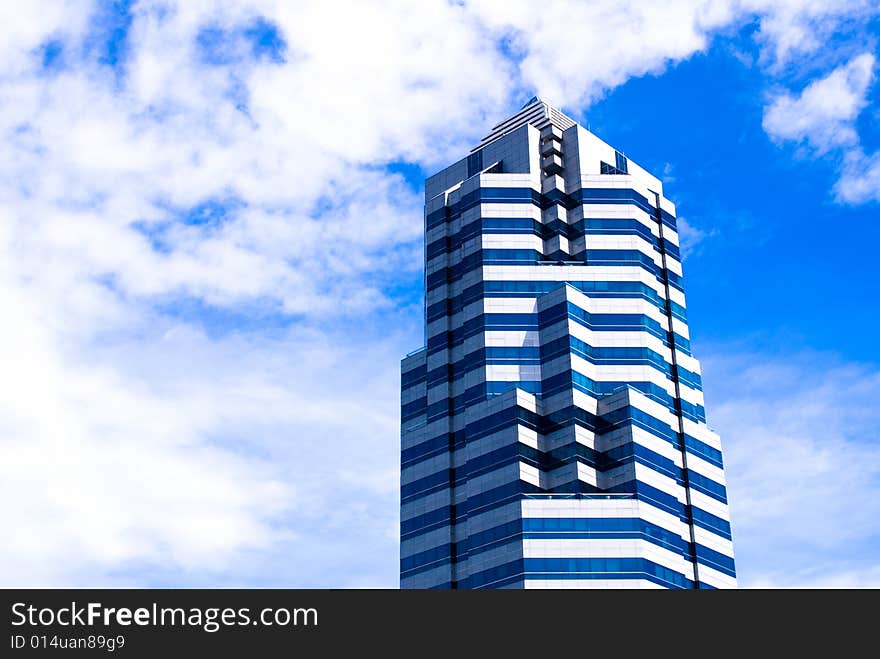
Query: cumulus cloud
{"points": [[791, 29], [162, 455], [609, 43], [692, 236], [816, 577], [860, 180], [172, 228], [202, 253], [799, 432], [822, 118], [823, 114], [103, 469], [298, 146]]}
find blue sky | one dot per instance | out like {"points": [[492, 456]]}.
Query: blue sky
{"points": [[210, 253], [774, 250]]}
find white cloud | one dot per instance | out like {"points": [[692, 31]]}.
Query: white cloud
{"points": [[100, 469], [823, 117], [691, 236], [860, 180], [607, 42], [174, 138], [803, 464], [804, 34], [823, 114], [152, 449], [790, 29], [27, 25], [813, 577], [159, 454]]}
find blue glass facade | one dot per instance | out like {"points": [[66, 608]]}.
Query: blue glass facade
{"points": [[553, 429]]}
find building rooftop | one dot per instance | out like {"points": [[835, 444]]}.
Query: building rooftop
{"points": [[537, 112]]}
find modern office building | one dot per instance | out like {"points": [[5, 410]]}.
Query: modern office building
{"points": [[553, 430]]}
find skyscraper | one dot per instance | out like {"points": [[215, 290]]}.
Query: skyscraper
{"points": [[553, 430]]}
